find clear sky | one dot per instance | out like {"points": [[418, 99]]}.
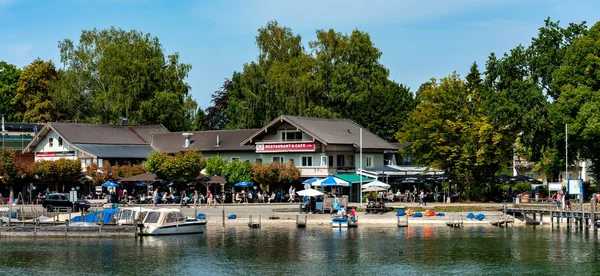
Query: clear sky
{"points": [[419, 39]]}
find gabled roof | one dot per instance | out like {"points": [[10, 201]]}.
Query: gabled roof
{"points": [[115, 151], [90, 134], [173, 142], [328, 131], [107, 134]]}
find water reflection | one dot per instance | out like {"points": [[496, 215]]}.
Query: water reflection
{"points": [[237, 250]]}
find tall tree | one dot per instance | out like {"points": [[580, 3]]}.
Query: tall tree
{"points": [[579, 101], [9, 77], [216, 115], [115, 73], [34, 90]]}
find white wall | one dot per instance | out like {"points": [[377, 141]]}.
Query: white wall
{"points": [[44, 146]]}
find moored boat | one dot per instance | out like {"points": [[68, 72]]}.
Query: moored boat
{"points": [[339, 222], [169, 222]]}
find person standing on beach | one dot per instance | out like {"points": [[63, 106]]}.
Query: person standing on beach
{"points": [[558, 200], [422, 198]]}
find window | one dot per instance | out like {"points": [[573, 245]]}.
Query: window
{"points": [[51, 142], [60, 141], [258, 161], [369, 161], [100, 163], [171, 217], [341, 160], [330, 160], [323, 161], [306, 161], [291, 136], [277, 159], [152, 217], [235, 159], [351, 158]]}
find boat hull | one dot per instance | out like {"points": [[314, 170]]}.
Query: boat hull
{"points": [[339, 223], [181, 229]]}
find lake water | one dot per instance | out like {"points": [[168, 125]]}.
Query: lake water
{"points": [[314, 251]]}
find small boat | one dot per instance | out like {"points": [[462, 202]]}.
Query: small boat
{"points": [[129, 215], [339, 222], [169, 222]]}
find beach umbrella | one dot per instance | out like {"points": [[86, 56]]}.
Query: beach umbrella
{"points": [[171, 184], [311, 180], [110, 183], [331, 181], [374, 189], [376, 183], [243, 184], [141, 184], [309, 192]]}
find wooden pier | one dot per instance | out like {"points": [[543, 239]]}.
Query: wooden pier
{"points": [[572, 219], [455, 221], [299, 223], [402, 222], [254, 224]]}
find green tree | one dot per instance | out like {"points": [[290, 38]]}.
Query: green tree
{"points": [[215, 165], [9, 77], [62, 173], [115, 73], [9, 170], [180, 168], [237, 171], [274, 173], [34, 90]]}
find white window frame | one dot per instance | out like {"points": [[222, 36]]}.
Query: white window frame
{"points": [[283, 135], [280, 159], [50, 142], [324, 161], [307, 157], [235, 158], [369, 161]]}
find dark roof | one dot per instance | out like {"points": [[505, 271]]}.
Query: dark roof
{"points": [[329, 131], [106, 134], [116, 151], [173, 142], [147, 177], [401, 145]]}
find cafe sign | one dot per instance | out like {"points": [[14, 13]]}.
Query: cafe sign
{"points": [[50, 154], [285, 147]]}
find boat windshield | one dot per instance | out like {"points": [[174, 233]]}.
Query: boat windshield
{"points": [[152, 217]]}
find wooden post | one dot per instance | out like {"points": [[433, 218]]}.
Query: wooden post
{"points": [[551, 219]]}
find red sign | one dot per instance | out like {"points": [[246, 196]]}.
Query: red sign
{"points": [[285, 147], [55, 154]]}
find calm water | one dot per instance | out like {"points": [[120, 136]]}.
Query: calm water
{"points": [[314, 251]]}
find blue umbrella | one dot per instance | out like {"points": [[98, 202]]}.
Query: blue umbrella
{"points": [[243, 184], [141, 184], [110, 183], [171, 184], [311, 180], [331, 182]]}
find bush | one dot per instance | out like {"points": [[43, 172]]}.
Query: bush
{"points": [[523, 186]]}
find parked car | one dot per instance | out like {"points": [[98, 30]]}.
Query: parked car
{"points": [[53, 201]]}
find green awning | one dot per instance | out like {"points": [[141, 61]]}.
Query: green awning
{"points": [[353, 178]]}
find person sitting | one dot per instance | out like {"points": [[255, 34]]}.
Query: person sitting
{"points": [[238, 198], [165, 198], [173, 199], [342, 211], [272, 197]]}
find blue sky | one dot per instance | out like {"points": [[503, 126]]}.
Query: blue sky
{"points": [[419, 39]]}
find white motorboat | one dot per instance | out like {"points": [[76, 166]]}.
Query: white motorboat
{"points": [[129, 215], [170, 222], [339, 222]]}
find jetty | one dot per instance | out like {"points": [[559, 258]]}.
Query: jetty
{"points": [[455, 221]]}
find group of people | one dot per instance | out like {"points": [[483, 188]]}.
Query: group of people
{"points": [[558, 198]]}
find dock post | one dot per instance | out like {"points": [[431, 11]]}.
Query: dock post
{"points": [[551, 219], [224, 216], [541, 219], [9, 214]]}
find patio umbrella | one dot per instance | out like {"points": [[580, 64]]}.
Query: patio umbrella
{"points": [[141, 184], [330, 182], [311, 180], [376, 183], [309, 192], [374, 189], [171, 184], [243, 184], [110, 183]]}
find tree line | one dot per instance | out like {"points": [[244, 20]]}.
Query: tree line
{"points": [[518, 102]]}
